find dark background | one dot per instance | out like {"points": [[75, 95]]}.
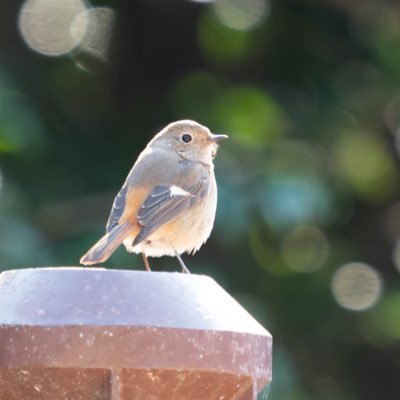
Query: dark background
{"points": [[307, 229]]}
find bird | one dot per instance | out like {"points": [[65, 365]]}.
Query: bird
{"points": [[167, 204]]}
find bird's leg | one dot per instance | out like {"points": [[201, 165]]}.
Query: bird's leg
{"points": [[183, 266], [146, 262]]}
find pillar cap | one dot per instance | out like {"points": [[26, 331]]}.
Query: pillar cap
{"points": [[72, 317]]}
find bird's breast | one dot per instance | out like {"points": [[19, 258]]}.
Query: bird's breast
{"points": [[186, 233]]}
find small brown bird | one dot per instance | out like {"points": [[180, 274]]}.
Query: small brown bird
{"points": [[167, 204]]}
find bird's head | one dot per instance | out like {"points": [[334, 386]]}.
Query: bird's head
{"points": [[190, 140]]}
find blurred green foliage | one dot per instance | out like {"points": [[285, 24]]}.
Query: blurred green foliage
{"points": [[308, 181]]}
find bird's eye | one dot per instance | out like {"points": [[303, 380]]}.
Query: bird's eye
{"points": [[186, 138]]}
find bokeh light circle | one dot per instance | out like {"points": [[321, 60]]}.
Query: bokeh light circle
{"points": [[305, 248], [356, 286], [93, 29], [242, 15], [252, 115], [45, 25], [363, 161]]}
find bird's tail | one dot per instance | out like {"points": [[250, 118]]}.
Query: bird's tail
{"points": [[103, 249]]}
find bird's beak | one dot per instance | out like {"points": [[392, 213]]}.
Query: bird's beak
{"points": [[218, 138]]}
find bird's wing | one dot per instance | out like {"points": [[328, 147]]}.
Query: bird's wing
{"points": [[117, 209], [165, 203]]}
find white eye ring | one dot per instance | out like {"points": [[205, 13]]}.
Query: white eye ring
{"points": [[186, 138]]}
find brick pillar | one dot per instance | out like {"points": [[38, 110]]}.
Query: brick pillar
{"points": [[96, 334]]}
